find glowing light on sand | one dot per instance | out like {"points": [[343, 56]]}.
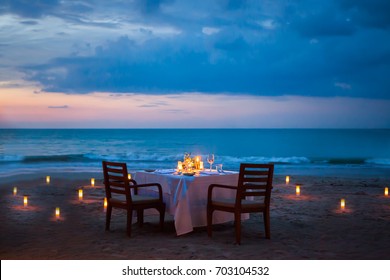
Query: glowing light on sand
{"points": [[80, 194], [342, 204], [48, 179], [298, 190], [92, 182], [15, 191], [57, 212], [129, 176], [386, 191], [287, 179], [25, 201], [105, 203]]}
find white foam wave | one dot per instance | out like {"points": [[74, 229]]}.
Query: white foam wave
{"points": [[380, 161]]}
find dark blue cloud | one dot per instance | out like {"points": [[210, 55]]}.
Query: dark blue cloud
{"points": [[30, 9], [271, 48]]}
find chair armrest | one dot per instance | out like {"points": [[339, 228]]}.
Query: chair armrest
{"points": [[212, 186], [136, 186]]}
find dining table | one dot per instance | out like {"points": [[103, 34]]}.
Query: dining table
{"points": [[186, 195]]}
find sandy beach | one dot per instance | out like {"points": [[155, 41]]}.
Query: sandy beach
{"points": [[309, 226]]}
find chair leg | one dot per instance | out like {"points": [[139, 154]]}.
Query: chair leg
{"points": [[108, 217], [162, 216], [129, 221], [140, 217], [237, 222], [209, 221], [267, 224]]}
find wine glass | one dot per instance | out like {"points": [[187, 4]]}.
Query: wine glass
{"points": [[210, 159]]}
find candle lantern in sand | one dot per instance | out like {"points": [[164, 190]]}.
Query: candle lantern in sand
{"points": [[298, 190], [15, 191], [342, 204], [386, 191], [80, 194], [92, 182], [25, 201], [47, 179], [57, 212], [287, 180]]}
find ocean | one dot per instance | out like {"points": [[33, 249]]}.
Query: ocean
{"points": [[300, 151]]}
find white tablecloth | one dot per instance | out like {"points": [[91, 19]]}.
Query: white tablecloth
{"points": [[186, 196]]}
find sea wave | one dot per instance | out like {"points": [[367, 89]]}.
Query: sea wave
{"points": [[158, 158], [379, 161]]}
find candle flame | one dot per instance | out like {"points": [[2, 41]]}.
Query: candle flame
{"points": [[386, 191], [92, 182], [287, 179], [129, 176], [105, 202], [57, 212], [48, 179], [342, 203], [25, 200], [80, 194], [15, 190], [298, 190]]}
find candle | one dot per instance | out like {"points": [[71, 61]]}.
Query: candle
{"points": [[342, 204], [48, 179], [105, 203], [15, 190], [386, 191], [287, 179], [201, 166], [57, 212], [80, 194], [129, 176], [197, 162], [179, 166], [25, 200], [298, 190], [92, 182]]}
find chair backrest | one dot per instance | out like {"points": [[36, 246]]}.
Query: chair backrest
{"points": [[116, 181], [255, 180]]}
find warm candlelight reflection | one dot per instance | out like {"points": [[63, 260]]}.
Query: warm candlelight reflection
{"points": [[298, 190], [342, 204], [386, 191], [15, 190], [287, 179], [48, 179], [25, 200], [80, 194], [92, 182], [57, 212]]}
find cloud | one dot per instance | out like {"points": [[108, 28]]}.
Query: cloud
{"points": [[58, 107], [344, 86], [210, 30], [256, 47]]}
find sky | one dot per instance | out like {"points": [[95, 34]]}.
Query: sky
{"points": [[194, 64]]}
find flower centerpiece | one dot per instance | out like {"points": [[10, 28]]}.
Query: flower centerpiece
{"points": [[189, 164]]}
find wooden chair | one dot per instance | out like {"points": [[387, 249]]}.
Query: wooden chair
{"points": [[123, 193], [253, 194]]}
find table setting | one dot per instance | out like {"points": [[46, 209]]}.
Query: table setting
{"points": [[185, 190]]}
